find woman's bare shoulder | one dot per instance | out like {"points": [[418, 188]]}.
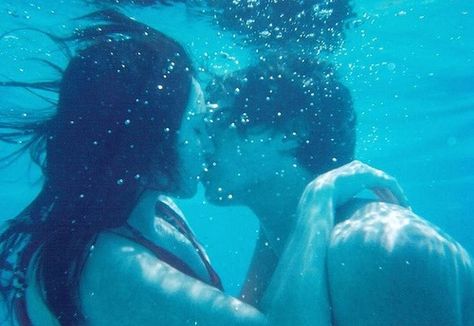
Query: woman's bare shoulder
{"points": [[125, 284], [116, 270]]}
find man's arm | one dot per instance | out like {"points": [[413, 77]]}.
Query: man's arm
{"points": [[386, 266]]}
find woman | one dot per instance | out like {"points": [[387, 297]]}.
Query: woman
{"points": [[98, 245]]}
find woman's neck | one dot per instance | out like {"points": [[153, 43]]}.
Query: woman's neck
{"points": [[143, 215]]}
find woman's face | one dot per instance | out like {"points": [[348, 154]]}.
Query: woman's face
{"points": [[192, 140]]}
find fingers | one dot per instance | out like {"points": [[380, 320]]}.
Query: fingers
{"points": [[385, 195], [387, 188], [347, 181], [388, 196], [383, 185]]}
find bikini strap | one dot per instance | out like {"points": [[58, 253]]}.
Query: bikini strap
{"points": [[167, 210], [132, 234]]}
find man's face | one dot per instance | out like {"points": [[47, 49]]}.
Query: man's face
{"points": [[239, 164]]}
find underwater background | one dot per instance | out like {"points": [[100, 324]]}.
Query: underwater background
{"points": [[408, 63]]}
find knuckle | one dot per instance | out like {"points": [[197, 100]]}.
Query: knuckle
{"points": [[355, 163], [360, 163], [360, 166]]}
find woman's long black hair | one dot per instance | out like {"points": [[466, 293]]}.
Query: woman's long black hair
{"points": [[121, 101]]}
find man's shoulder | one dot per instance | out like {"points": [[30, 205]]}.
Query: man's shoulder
{"points": [[393, 228], [389, 261]]}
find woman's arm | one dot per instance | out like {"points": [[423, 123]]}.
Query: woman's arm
{"points": [[125, 284], [300, 280], [138, 289]]}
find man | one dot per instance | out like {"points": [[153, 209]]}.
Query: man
{"points": [[278, 125]]}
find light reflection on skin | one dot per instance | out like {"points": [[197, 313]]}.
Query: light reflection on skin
{"points": [[172, 282], [389, 259], [392, 226], [127, 249]]}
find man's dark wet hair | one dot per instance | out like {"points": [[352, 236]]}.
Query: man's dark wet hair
{"points": [[318, 24], [111, 135], [300, 98]]}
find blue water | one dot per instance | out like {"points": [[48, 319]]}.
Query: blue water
{"points": [[408, 64]]}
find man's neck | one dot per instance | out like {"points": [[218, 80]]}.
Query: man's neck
{"points": [[275, 206]]}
